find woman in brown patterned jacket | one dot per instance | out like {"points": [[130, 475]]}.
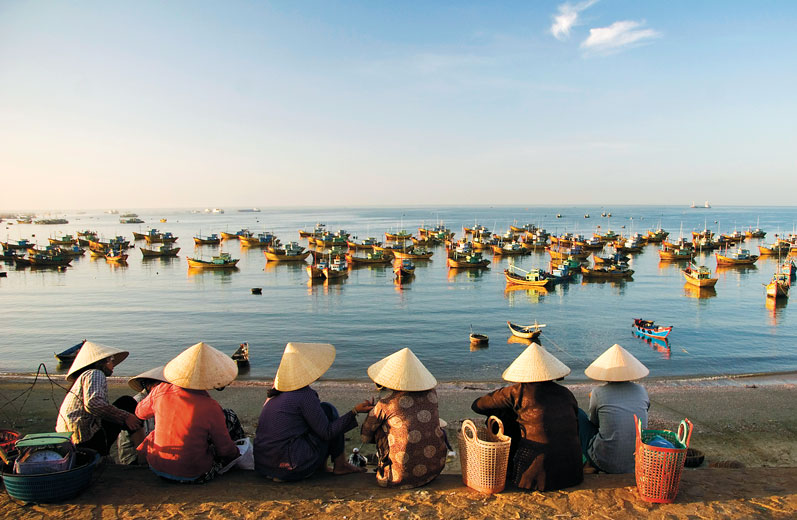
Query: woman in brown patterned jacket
{"points": [[541, 417], [405, 425]]}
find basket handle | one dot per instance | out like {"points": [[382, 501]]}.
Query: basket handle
{"points": [[469, 430], [493, 420], [638, 425], [685, 432]]}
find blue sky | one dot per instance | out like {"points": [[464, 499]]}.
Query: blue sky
{"points": [[153, 104]]}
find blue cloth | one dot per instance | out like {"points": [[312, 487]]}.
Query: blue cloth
{"points": [[586, 432], [611, 409], [296, 433]]}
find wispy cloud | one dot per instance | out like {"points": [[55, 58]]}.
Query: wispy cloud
{"points": [[567, 18], [606, 40]]}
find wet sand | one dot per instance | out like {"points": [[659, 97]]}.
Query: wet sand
{"points": [[750, 420]]}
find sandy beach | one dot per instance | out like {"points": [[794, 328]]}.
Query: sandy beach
{"points": [[751, 421]]}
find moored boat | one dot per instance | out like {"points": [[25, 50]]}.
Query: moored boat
{"points": [[614, 271], [264, 239], [66, 240], [372, 257], [336, 269], [779, 286], [533, 278], [241, 354], [68, 355], [699, 276], [290, 252], [738, 257], [222, 261], [530, 332], [650, 329], [414, 253], [467, 261], [399, 235], [116, 256], [675, 255], [165, 250], [209, 240], [403, 268]]}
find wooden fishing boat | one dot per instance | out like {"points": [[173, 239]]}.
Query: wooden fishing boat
{"points": [[403, 269], [780, 247], [533, 278], [467, 261], [399, 235], [615, 271], [390, 249], [291, 252], [210, 240], [317, 231], [49, 260], [423, 241], [229, 236], [241, 354], [19, 245], [166, 250], [415, 253], [675, 255], [222, 261], [364, 245], [789, 268], [372, 258], [117, 257], [779, 286], [699, 276], [66, 240], [68, 355], [481, 242], [264, 239], [336, 269], [562, 253], [478, 339], [98, 253], [738, 257], [615, 259], [530, 332], [650, 329], [22, 261], [525, 228], [755, 233], [656, 237], [510, 249], [137, 235], [316, 271]]}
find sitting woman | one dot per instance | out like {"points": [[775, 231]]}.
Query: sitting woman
{"points": [[541, 417], [191, 441], [127, 442], [608, 432], [296, 432], [405, 425], [94, 422]]}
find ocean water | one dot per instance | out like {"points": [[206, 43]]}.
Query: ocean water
{"points": [[156, 308]]}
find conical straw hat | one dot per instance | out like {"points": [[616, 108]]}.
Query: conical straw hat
{"points": [[154, 373], [91, 352], [303, 363], [201, 367], [616, 364], [533, 365], [402, 371]]}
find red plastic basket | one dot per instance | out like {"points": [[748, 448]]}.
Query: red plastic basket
{"points": [[658, 470]]}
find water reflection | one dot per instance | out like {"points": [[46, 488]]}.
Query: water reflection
{"points": [[532, 294], [465, 273], [224, 274], [776, 307], [659, 345], [692, 291], [520, 341]]}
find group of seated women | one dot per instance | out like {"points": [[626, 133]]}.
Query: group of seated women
{"points": [[185, 436]]}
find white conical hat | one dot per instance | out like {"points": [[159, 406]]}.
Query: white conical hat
{"points": [[402, 370], [91, 352], [533, 365], [616, 364], [303, 363], [154, 373], [201, 367]]}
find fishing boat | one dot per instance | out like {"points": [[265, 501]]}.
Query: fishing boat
{"points": [[403, 269], [290, 252], [317, 231], [533, 278], [525, 228], [656, 237], [755, 233], [509, 249], [17, 245], [320, 254], [560, 253], [667, 254], [366, 244], [372, 258], [650, 329], [778, 287], [738, 257], [789, 268], [68, 355], [241, 354], [209, 240], [225, 235], [414, 253], [316, 271], [66, 240], [480, 340], [49, 260], [222, 261], [614, 271], [264, 239], [615, 259], [165, 250], [777, 248], [699, 276], [116, 257], [399, 235], [336, 269], [467, 261], [160, 238], [530, 332]]}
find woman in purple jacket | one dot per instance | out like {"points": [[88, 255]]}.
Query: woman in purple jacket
{"points": [[296, 432]]}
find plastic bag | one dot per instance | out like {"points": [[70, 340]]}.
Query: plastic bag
{"points": [[245, 448]]}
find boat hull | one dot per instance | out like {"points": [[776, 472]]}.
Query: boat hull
{"points": [[464, 264], [276, 257], [204, 264], [698, 282], [523, 332], [513, 279]]}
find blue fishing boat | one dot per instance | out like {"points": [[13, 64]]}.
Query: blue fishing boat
{"points": [[650, 329], [68, 355]]}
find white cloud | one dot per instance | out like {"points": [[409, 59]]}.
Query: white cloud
{"points": [[567, 18], [616, 36]]}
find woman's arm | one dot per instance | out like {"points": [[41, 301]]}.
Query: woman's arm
{"points": [[496, 400]]}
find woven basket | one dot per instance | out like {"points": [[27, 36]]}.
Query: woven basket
{"points": [[484, 455], [53, 487], [658, 470]]}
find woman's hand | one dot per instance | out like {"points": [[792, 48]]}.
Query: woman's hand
{"points": [[133, 423], [364, 407]]}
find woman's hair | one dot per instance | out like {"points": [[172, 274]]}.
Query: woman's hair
{"points": [[97, 365], [273, 392]]}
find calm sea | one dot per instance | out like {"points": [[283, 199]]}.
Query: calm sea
{"points": [[156, 308]]}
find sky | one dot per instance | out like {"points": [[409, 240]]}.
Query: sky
{"points": [[325, 103]]}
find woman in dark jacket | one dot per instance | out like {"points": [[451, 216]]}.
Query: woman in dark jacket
{"points": [[541, 417]]}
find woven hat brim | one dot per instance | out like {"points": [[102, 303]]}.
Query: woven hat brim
{"points": [[535, 365], [302, 364], [92, 352], [402, 371], [616, 365], [201, 367], [154, 373]]}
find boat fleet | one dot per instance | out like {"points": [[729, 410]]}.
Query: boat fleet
{"points": [[604, 255]]}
